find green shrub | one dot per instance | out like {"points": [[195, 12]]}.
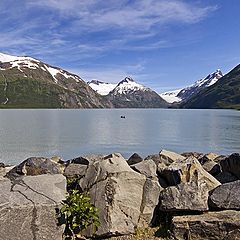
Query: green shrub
{"points": [[79, 214]]}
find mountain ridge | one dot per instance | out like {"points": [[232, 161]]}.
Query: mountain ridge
{"points": [[187, 92], [29, 83], [225, 93]]}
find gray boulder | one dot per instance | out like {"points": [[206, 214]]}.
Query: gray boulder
{"points": [[151, 190], [224, 225], [28, 207], [74, 170], [117, 191], [192, 196], [226, 196], [147, 168], [188, 188], [187, 170], [164, 158], [37, 166]]}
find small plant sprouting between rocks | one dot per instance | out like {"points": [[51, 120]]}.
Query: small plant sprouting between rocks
{"points": [[79, 213]]}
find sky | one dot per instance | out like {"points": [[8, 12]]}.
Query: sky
{"points": [[163, 44]]}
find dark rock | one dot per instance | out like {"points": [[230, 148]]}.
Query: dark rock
{"points": [[225, 177], [74, 170], [28, 207], [231, 164], [135, 158], [224, 225], [80, 160], [226, 196], [2, 165], [36, 166]]}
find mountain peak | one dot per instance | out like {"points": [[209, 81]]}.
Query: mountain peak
{"points": [[95, 81], [126, 80]]}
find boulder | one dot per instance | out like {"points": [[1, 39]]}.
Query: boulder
{"points": [[164, 158], [188, 186], [226, 196], [135, 158], [74, 170], [36, 166], [187, 170], [79, 160], [231, 164], [209, 164], [191, 196], [117, 191], [170, 156], [151, 190], [150, 200], [147, 168], [225, 177], [224, 225], [28, 207]]}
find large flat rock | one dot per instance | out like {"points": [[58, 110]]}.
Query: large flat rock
{"points": [[28, 207], [223, 225]]}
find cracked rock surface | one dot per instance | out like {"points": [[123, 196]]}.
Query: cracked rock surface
{"points": [[224, 225], [226, 196], [28, 207]]}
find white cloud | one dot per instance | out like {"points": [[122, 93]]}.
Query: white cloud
{"points": [[137, 16]]}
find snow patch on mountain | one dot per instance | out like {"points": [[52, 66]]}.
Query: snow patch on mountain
{"points": [[171, 96], [10, 58], [53, 72], [102, 88]]}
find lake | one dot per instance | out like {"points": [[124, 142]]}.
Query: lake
{"points": [[72, 133]]}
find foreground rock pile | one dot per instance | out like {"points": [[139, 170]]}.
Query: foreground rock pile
{"points": [[194, 196]]}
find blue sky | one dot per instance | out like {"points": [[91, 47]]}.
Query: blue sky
{"points": [[163, 44]]}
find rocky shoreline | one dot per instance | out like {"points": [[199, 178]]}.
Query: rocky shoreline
{"points": [[183, 196]]}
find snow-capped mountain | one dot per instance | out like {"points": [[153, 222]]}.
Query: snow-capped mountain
{"points": [[187, 92], [23, 63], [102, 88], [128, 85], [29, 82], [129, 94]]}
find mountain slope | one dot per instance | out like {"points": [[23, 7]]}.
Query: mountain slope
{"points": [[187, 92], [26, 82], [225, 93], [129, 94]]}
